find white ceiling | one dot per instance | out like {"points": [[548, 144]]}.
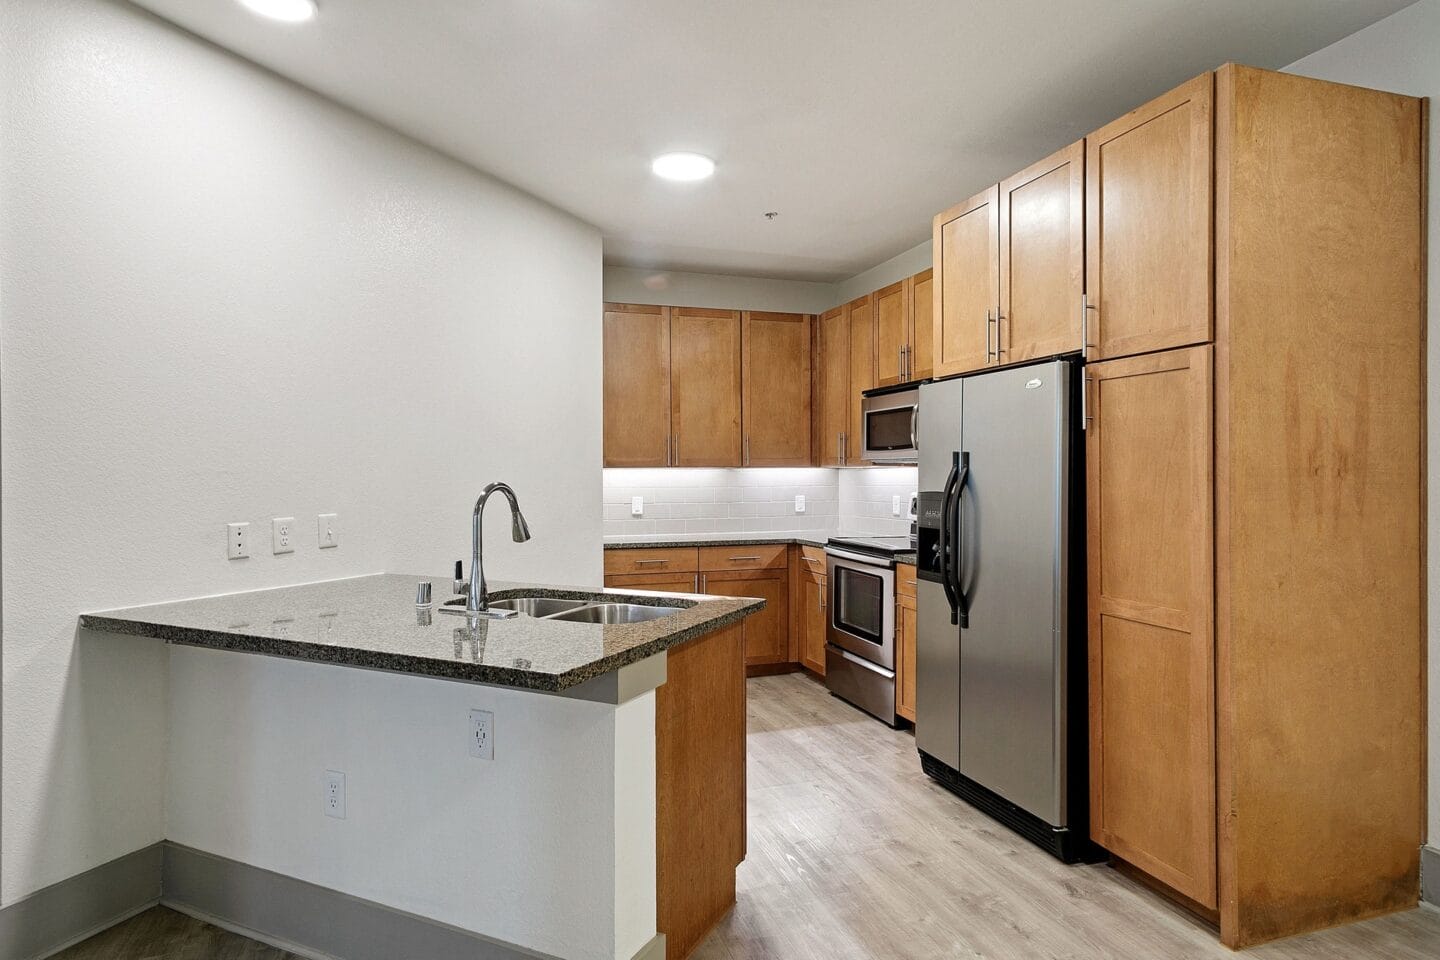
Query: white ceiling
{"points": [[857, 120]]}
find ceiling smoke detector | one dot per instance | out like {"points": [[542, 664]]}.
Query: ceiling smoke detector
{"points": [[771, 214]]}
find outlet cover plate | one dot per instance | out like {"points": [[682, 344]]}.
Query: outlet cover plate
{"points": [[482, 734], [237, 540], [282, 534], [335, 794]]}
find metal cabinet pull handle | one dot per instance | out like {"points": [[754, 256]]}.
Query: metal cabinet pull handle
{"points": [[638, 562], [999, 334], [1085, 308], [747, 451], [1085, 402], [839, 448], [989, 314], [744, 558], [900, 362], [844, 448]]}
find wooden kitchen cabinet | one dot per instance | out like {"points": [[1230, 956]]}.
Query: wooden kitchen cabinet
{"points": [[663, 582], [860, 320], [814, 609], [967, 265], [905, 641], [775, 393], [767, 633], [1152, 648], [892, 311], [1149, 213], [1256, 504], [636, 379], [922, 311], [1042, 258], [832, 390], [705, 387]]}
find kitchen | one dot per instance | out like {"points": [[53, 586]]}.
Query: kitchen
{"points": [[874, 575]]}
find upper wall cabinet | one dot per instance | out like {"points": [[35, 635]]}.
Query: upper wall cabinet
{"points": [[903, 333], [1042, 258], [775, 402], [860, 320], [637, 385], [967, 296], [832, 386], [705, 387], [1149, 209]]}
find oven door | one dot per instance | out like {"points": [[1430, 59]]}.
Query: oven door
{"points": [[862, 607], [889, 424]]}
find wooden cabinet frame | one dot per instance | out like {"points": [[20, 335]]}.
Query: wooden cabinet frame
{"points": [[964, 312]]}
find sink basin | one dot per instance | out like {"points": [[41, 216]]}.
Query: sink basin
{"points": [[537, 606], [616, 613]]}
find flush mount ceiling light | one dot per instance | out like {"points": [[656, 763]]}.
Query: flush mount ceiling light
{"points": [[682, 166], [288, 11]]}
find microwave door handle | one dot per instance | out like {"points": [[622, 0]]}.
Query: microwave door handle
{"points": [[915, 427]]}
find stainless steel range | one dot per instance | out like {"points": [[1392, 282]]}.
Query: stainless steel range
{"points": [[860, 633]]}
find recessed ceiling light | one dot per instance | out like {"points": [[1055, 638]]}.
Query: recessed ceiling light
{"points": [[289, 11], [682, 166]]}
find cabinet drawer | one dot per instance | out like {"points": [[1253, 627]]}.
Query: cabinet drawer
{"points": [[905, 580], [650, 560], [762, 556], [812, 559]]}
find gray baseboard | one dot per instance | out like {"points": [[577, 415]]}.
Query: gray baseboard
{"points": [[72, 910], [319, 922], [1430, 875]]}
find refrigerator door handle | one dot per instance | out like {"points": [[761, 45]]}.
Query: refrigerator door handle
{"points": [[957, 569], [949, 546]]}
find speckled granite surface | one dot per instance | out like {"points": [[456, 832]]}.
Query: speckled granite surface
{"points": [[725, 539], [373, 622]]}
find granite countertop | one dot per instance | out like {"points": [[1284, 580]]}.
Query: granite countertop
{"points": [[809, 539], [373, 622]]}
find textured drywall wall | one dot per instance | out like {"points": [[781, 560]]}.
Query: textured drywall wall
{"points": [[550, 845], [1399, 54], [223, 298]]}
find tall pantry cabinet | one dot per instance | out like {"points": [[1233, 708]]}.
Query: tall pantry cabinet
{"points": [[1255, 479]]}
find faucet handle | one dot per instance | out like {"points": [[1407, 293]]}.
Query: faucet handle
{"points": [[462, 586]]}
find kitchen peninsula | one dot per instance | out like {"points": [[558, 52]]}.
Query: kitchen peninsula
{"points": [[644, 721]]}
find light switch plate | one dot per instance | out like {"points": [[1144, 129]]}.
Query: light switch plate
{"points": [[894, 506], [282, 535], [637, 506], [799, 503], [328, 530]]}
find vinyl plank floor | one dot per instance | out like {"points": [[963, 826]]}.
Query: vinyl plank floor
{"points": [[854, 854]]}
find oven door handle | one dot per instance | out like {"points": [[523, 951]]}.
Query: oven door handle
{"points": [[869, 561]]}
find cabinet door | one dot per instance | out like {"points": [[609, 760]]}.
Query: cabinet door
{"points": [[922, 335], [775, 372], [664, 582], [812, 652], [636, 360], [892, 333], [705, 387], [860, 317], [905, 658], [967, 258], [1042, 257], [1151, 637], [767, 633], [833, 333], [1149, 225]]}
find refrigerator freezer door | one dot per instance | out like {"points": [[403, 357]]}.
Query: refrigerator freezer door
{"points": [[1012, 678], [937, 648]]}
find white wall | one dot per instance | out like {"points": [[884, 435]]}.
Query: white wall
{"points": [[867, 500], [1400, 54], [497, 846], [898, 267], [679, 289], [224, 298]]}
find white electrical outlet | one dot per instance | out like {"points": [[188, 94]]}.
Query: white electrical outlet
{"points": [[799, 503], [335, 794], [482, 734], [894, 506], [328, 529], [637, 506], [282, 534], [237, 540]]}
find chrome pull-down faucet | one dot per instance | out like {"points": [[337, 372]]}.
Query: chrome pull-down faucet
{"points": [[477, 593]]}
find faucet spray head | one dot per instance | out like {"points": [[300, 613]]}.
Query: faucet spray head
{"points": [[519, 529]]}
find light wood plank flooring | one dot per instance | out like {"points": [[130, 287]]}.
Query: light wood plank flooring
{"points": [[855, 855]]}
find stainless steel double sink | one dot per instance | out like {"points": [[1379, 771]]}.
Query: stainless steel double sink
{"points": [[581, 611]]}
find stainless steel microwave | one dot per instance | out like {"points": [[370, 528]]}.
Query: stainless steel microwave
{"points": [[889, 418]]}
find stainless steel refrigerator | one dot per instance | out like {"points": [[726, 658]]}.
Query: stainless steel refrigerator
{"points": [[1000, 663]]}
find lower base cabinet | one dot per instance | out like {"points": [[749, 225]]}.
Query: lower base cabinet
{"points": [[767, 633], [905, 641], [814, 597]]}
